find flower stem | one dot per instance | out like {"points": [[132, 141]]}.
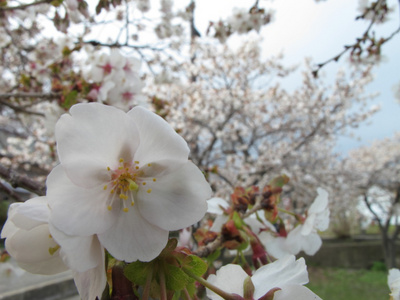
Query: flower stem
{"points": [[210, 286], [163, 286], [287, 212], [146, 288]]}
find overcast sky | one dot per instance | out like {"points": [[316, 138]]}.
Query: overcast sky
{"points": [[320, 30]]}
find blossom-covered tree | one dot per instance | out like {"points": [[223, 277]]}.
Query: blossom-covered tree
{"points": [[375, 175], [133, 121]]}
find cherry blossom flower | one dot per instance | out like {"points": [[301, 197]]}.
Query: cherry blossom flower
{"points": [[305, 237], [286, 275], [394, 284], [40, 248], [28, 238], [125, 177]]}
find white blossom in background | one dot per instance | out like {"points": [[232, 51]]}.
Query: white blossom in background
{"points": [[287, 274], [394, 284], [118, 79], [303, 237], [130, 176]]}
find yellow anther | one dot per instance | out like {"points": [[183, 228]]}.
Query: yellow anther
{"points": [[53, 250], [132, 185], [137, 167], [136, 162], [105, 187], [121, 160], [50, 236], [109, 207], [154, 179], [120, 168], [125, 209], [149, 191], [112, 191], [144, 183], [132, 203], [108, 169], [149, 165], [123, 196]]}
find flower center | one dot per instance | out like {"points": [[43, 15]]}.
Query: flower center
{"points": [[125, 182]]}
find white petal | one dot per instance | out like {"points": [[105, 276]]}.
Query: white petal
{"points": [[31, 250], [76, 210], [298, 292], [297, 242], [158, 140], [294, 240], [9, 227], [92, 138], [91, 284], [394, 283], [279, 273], [217, 205], [31, 213], [229, 278], [308, 225], [320, 203], [133, 238], [79, 253], [219, 222], [177, 200], [275, 246], [312, 243]]}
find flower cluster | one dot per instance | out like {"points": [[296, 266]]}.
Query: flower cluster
{"points": [[124, 181], [116, 79]]}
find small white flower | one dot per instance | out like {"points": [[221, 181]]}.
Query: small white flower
{"points": [[40, 248], [28, 239], [286, 274], [125, 177], [394, 283]]}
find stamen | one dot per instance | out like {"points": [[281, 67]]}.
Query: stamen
{"points": [[105, 187], [144, 182], [109, 207], [123, 196], [149, 191], [132, 185], [149, 165], [121, 160], [125, 209], [53, 250], [154, 179]]}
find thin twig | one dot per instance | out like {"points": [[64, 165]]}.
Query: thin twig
{"points": [[23, 6], [18, 180]]}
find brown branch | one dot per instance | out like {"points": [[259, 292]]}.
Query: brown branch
{"points": [[23, 6], [48, 96], [206, 250], [17, 180], [356, 45]]}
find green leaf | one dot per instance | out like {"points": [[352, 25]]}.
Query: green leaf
{"points": [[175, 278], [237, 220], [213, 256], [195, 265], [70, 99], [138, 271]]}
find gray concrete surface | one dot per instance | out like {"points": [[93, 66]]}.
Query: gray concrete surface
{"points": [[29, 286]]}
